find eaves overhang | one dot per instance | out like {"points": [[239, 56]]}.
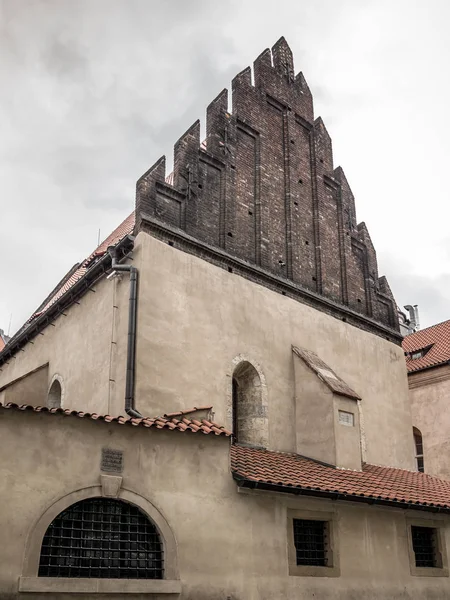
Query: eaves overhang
{"points": [[246, 483]]}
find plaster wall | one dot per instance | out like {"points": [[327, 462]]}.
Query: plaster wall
{"points": [[229, 544], [430, 406], [194, 321], [313, 405], [195, 318], [86, 348], [29, 389], [348, 438]]}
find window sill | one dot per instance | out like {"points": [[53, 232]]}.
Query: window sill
{"points": [[429, 571], [99, 586], [312, 571]]}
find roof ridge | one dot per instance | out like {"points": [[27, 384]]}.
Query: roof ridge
{"points": [[426, 328]]}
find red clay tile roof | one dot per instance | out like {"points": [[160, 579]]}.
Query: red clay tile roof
{"points": [[186, 411], [372, 483], [173, 423], [438, 337], [125, 228], [325, 373]]}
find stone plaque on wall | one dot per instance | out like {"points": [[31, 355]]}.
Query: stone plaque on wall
{"points": [[112, 460]]}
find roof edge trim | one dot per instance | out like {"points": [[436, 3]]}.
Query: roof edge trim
{"points": [[244, 482]]}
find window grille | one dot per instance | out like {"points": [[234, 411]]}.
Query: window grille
{"points": [[424, 546], [346, 418], [310, 540], [102, 538]]}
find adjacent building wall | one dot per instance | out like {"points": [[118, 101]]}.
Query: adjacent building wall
{"points": [[230, 544], [194, 319], [430, 405]]}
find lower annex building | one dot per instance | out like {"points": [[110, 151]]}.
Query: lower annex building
{"points": [[238, 323], [428, 362]]}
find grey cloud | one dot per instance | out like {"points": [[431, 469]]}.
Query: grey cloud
{"points": [[96, 91]]}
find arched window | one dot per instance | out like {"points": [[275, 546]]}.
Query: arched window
{"points": [[102, 538], [418, 443], [249, 411], [54, 395]]}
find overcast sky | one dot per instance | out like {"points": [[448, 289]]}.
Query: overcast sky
{"points": [[94, 91]]}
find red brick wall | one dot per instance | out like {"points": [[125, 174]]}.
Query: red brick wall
{"points": [[265, 190]]}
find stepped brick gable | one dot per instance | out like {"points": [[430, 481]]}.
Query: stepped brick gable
{"points": [[262, 188]]}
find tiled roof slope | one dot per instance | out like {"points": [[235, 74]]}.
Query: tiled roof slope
{"points": [[125, 228], [438, 337], [165, 422], [372, 483], [325, 373]]}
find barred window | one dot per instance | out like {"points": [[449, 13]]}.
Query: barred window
{"points": [[424, 541], [102, 538], [310, 540]]}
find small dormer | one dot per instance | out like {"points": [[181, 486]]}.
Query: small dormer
{"points": [[326, 413]]}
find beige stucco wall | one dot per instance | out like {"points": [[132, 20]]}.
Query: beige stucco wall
{"points": [[195, 318], [86, 349], [27, 390], [430, 405], [230, 544]]}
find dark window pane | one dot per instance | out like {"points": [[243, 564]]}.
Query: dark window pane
{"points": [[310, 542], [420, 464], [102, 539], [424, 546]]}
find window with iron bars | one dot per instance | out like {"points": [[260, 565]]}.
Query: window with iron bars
{"points": [[424, 541], [311, 542], [102, 538]]}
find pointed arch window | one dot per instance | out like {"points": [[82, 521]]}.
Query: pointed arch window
{"points": [[418, 445], [54, 395], [248, 408]]}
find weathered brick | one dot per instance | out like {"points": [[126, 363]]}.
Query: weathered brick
{"points": [[265, 190]]}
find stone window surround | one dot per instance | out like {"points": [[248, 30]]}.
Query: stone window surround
{"points": [[30, 582], [332, 544], [57, 377], [237, 360], [438, 525]]}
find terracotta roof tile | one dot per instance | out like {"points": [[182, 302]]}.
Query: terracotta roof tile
{"points": [[373, 482], [438, 337], [187, 411], [325, 373], [185, 424], [124, 229]]}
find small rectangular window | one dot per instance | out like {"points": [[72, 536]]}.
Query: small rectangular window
{"points": [[424, 541], [346, 418], [310, 540]]}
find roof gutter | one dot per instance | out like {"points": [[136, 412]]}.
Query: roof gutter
{"points": [[244, 482], [131, 345]]}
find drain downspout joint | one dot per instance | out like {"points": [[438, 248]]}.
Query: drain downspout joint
{"points": [[131, 343]]}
